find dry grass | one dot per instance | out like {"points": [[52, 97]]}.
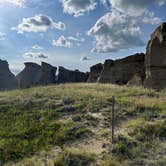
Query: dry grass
{"points": [[82, 113]]}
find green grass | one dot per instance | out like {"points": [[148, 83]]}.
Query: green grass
{"points": [[74, 157], [23, 135], [37, 119], [147, 131]]}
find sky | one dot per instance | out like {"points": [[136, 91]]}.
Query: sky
{"points": [[75, 34]]}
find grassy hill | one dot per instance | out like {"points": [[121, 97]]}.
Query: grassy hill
{"points": [[70, 125]]}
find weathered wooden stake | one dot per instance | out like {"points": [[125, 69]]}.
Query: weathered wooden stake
{"points": [[113, 118]]}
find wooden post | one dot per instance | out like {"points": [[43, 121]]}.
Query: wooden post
{"points": [[113, 118]]}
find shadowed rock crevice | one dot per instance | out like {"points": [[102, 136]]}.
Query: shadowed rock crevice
{"points": [[95, 72]]}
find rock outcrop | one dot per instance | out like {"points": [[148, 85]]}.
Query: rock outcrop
{"points": [[121, 71], [34, 74], [30, 76], [48, 74], [155, 61], [138, 69], [95, 72], [65, 75], [7, 79], [136, 80]]}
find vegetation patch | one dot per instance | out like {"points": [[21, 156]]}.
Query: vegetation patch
{"points": [[75, 157], [148, 131], [124, 147], [38, 119]]}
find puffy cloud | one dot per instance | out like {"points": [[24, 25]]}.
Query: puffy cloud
{"points": [[19, 3], [121, 28], [2, 36], [68, 41], [133, 7], [137, 9], [37, 47], [115, 31], [62, 42], [149, 18], [84, 58], [38, 23], [16, 67], [76, 39], [35, 55], [161, 2], [78, 7]]}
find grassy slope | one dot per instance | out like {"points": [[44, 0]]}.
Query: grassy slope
{"points": [[69, 125]]}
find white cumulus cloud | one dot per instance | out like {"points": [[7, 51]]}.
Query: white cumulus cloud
{"points": [[19, 3], [76, 39], [78, 7], [35, 55], [115, 31], [121, 27], [68, 41], [38, 23], [62, 42], [134, 7], [150, 18], [137, 9], [37, 47]]}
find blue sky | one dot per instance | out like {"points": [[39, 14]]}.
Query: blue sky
{"points": [[75, 33]]}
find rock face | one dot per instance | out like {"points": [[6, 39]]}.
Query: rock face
{"points": [[155, 61], [123, 70], [7, 79], [30, 76], [95, 72], [34, 74], [65, 75], [138, 69], [136, 80], [48, 74]]}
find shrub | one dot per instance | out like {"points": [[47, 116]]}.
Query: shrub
{"points": [[149, 130], [74, 157], [124, 147], [109, 161]]}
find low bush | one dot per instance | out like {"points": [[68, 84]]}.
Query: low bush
{"points": [[74, 157]]}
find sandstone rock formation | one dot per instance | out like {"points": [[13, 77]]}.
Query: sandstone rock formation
{"points": [[48, 74], [136, 80], [30, 76], [137, 69], [121, 71], [95, 72], [7, 79], [65, 75], [34, 74], [155, 61]]}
